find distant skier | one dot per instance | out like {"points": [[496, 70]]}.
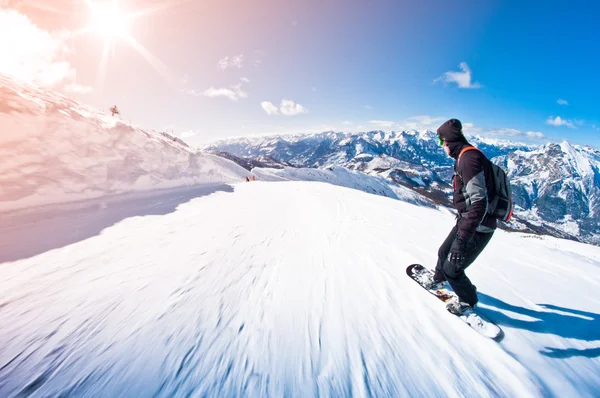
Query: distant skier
{"points": [[114, 111], [247, 179], [253, 178], [473, 185]]}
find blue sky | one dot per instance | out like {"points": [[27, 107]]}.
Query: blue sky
{"points": [[229, 68]]}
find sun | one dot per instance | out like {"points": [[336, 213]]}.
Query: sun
{"points": [[108, 20]]}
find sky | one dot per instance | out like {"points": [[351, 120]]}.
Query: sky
{"points": [[206, 70]]}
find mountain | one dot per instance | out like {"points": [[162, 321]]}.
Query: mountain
{"points": [[56, 150], [566, 206], [291, 288]]}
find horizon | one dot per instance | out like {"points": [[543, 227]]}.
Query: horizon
{"points": [[212, 71]]}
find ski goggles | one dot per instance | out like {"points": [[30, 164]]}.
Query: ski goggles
{"points": [[440, 140]]}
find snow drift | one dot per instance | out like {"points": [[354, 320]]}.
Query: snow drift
{"points": [[56, 150]]}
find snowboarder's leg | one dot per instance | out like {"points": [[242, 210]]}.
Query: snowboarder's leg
{"points": [[455, 274], [443, 255]]}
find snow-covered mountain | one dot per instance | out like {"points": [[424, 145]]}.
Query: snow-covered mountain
{"points": [[57, 150], [557, 187]]}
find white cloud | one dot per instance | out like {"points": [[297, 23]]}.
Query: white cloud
{"points": [[31, 54], [236, 60], [558, 121], [234, 93], [245, 80], [382, 123], [269, 108], [510, 132], [286, 108], [368, 107], [346, 122], [462, 79], [561, 101], [188, 134], [77, 88], [534, 134], [290, 108]]}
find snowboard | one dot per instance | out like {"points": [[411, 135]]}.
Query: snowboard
{"points": [[472, 317]]}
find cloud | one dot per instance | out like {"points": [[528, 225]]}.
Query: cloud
{"points": [[188, 134], [368, 107], [510, 132], [346, 122], [76, 88], [289, 108], [382, 123], [31, 54], [286, 108], [269, 108], [561, 101], [534, 134], [227, 62], [245, 80], [558, 121], [462, 79], [234, 93]]}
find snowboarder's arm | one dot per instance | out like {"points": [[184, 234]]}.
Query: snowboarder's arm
{"points": [[471, 169]]}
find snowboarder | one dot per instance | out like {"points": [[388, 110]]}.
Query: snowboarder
{"points": [[473, 185]]}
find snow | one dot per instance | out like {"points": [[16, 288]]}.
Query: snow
{"points": [[578, 161], [294, 288], [342, 176], [56, 150]]}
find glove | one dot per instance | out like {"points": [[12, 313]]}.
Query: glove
{"points": [[458, 251]]}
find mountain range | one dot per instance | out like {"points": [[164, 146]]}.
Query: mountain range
{"points": [[556, 186]]}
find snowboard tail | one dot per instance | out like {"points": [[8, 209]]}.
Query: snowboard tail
{"points": [[471, 317]]}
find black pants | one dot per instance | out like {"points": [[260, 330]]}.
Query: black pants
{"points": [[455, 275]]}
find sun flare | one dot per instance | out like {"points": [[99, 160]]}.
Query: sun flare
{"points": [[108, 20]]}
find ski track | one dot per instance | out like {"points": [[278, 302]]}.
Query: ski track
{"points": [[287, 289]]}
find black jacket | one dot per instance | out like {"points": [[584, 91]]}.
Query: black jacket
{"points": [[473, 185]]}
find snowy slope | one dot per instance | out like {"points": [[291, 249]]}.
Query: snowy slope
{"points": [[56, 150], [287, 289], [345, 178]]}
